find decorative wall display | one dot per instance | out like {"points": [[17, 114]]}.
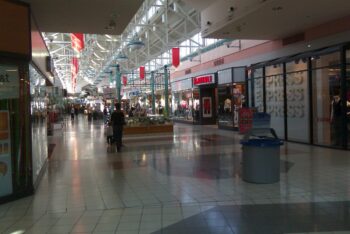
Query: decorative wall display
{"points": [[207, 107], [5, 155]]}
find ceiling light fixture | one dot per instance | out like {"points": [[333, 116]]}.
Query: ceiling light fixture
{"points": [[135, 44], [121, 57]]}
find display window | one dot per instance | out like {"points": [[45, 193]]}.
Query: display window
{"points": [[327, 100], [239, 100], [308, 97], [185, 105], [275, 97], [348, 97], [225, 97], [298, 100], [258, 83]]}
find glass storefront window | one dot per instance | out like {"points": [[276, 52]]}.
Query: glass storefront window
{"points": [[258, 89], [298, 101], [275, 97], [185, 105], [348, 96], [225, 97], [39, 102], [238, 101], [327, 103]]}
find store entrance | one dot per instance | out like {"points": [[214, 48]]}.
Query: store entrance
{"points": [[207, 105]]}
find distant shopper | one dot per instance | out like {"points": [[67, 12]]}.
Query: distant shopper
{"points": [[109, 133], [118, 121], [72, 112]]}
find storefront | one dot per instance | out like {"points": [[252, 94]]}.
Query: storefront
{"points": [[307, 96], [231, 93], [15, 134], [185, 101], [207, 98]]}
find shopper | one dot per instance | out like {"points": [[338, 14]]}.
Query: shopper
{"points": [[118, 121], [72, 111], [109, 133]]}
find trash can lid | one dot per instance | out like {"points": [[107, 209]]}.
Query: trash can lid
{"points": [[263, 142]]}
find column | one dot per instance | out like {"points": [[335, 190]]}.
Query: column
{"points": [[152, 90], [166, 91], [118, 83]]}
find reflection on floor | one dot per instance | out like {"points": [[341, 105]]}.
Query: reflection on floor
{"points": [[186, 182]]}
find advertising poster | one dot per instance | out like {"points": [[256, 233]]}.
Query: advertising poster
{"points": [[5, 155], [9, 83], [245, 120], [207, 107]]}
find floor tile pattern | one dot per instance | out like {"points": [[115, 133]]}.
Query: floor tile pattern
{"points": [[188, 181]]}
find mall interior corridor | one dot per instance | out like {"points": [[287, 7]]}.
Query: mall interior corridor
{"points": [[186, 182]]}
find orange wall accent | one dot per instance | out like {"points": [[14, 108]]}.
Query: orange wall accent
{"points": [[14, 28]]}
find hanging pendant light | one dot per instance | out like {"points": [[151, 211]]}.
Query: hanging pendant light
{"points": [[121, 57], [135, 43]]}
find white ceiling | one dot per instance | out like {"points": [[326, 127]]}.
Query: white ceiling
{"points": [[268, 19], [85, 16]]}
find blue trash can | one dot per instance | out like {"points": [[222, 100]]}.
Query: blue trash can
{"points": [[261, 160]]}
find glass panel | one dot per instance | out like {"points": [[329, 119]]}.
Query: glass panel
{"points": [[196, 106], [225, 115], [250, 98], [327, 60], [238, 101], [239, 74], [39, 120], [258, 94], [275, 98], [298, 102], [184, 104], [348, 96], [327, 108], [258, 89]]}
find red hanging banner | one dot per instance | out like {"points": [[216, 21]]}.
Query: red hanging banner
{"points": [[75, 70], [142, 72], [175, 52], [77, 41], [125, 80]]}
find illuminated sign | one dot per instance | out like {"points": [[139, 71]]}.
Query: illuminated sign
{"points": [[201, 80]]}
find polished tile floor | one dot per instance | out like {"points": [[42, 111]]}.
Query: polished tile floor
{"points": [[186, 182]]}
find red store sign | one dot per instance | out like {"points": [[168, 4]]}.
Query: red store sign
{"points": [[200, 80]]}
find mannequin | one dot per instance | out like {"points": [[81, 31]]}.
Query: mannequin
{"points": [[336, 120]]}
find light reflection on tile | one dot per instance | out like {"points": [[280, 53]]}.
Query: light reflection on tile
{"points": [[171, 182]]}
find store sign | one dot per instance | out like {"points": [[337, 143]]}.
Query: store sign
{"points": [[5, 155], [9, 82], [245, 122], [202, 80]]}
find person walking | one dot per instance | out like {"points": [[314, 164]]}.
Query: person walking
{"points": [[118, 122]]}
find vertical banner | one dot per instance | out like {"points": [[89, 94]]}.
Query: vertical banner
{"points": [[77, 41], [142, 72], [125, 80], [5, 155], [175, 52], [245, 121], [75, 70]]}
